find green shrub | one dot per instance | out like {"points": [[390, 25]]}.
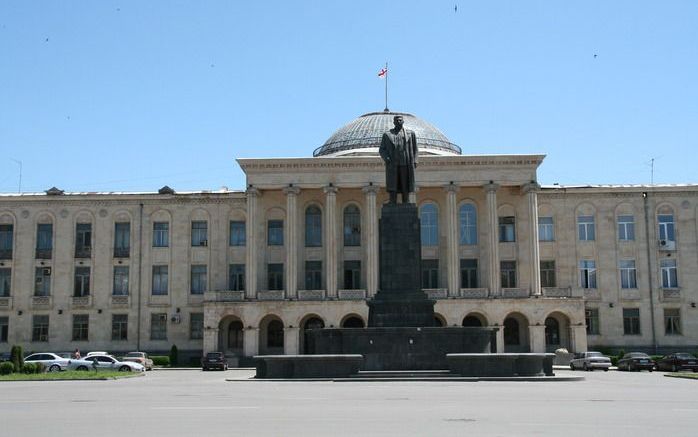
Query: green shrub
{"points": [[621, 353], [174, 358], [17, 357], [614, 360], [39, 368], [656, 357], [6, 368], [161, 360], [29, 368]]}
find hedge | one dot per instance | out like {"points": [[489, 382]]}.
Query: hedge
{"points": [[6, 368], [160, 360]]}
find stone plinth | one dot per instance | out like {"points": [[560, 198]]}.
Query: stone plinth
{"points": [[307, 366], [492, 365]]}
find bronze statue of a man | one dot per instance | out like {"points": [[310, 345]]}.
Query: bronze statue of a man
{"points": [[399, 152]]}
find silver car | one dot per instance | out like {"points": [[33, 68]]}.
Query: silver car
{"points": [[55, 363], [590, 361], [107, 362]]}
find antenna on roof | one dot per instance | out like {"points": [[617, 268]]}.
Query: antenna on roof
{"points": [[19, 189], [650, 163]]}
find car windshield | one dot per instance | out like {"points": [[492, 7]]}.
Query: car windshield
{"points": [[637, 355], [595, 354], [685, 356], [213, 355]]}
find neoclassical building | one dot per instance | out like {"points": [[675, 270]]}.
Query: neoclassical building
{"points": [[246, 272]]}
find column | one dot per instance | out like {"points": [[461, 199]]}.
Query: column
{"points": [[452, 258], [291, 339], [331, 241], [250, 341], [371, 221], [492, 239], [210, 339], [291, 241], [251, 248], [536, 338], [531, 190], [500, 339], [578, 338]]}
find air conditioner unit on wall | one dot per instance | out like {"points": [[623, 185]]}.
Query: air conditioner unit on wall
{"points": [[176, 318], [46, 271], [667, 245]]}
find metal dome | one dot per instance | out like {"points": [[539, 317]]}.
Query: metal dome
{"points": [[363, 135]]}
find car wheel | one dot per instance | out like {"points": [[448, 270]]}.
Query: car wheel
{"points": [[54, 368], [571, 366], [585, 367], [606, 369], [124, 369], [82, 369]]}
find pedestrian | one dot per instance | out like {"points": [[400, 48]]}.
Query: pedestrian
{"points": [[76, 354]]}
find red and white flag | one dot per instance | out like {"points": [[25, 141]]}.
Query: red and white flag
{"points": [[383, 72]]}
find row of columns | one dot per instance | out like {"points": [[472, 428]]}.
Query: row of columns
{"points": [[492, 281]]}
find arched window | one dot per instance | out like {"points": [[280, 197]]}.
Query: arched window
{"points": [[353, 322], [472, 321], [467, 223], [511, 332], [552, 331], [352, 226], [429, 218], [235, 335], [313, 227], [275, 334]]}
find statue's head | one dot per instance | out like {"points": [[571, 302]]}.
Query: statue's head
{"points": [[398, 121]]}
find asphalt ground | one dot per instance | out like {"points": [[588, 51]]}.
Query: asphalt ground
{"points": [[194, 403]]}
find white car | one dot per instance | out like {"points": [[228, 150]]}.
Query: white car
{"points": [[89, 354], [55, 363], [107, 362], [590, 361]]}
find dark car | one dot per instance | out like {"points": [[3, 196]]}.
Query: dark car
{"points": [[678, 361], [636, 361], [214, 360]]}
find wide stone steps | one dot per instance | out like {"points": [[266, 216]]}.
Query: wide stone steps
{"points": [[402, 374]]}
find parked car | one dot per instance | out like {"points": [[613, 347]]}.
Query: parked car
{"points": [[107, 362], [678, 361], [590, 361], [89, 354], [5, 356], [214, 360], [55, 363], [140, 358], [636, 361]]}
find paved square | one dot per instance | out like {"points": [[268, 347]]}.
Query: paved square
{"points": [[193, 403]]}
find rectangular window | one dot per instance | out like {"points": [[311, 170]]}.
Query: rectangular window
{"points": [[546, 231], [275, 276], [467, 220], [508, 274], [275, 232], [352, 275], [468, 273], [158, 326], [626, 227], [313, 275], [83, 240], [198, 279], [82, 282], [666, 227], [159, 280], [42, 281], [236, 277], [672, 321], [628, 274], [4, 329], [430, 273], [44, 240], [40, 328], [122, 240], [587, 273], [5, 282], [507, 229], [199, 233], [352, 226], [237, 233], [669, 274], [6, 242], [196, 326], [547, 274], [121, 274], [591, 316], [161, 234], [631, 321], [585, 228], [119, 327], [81, 327]]}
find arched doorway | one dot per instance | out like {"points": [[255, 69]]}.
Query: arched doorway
{"points": [[516, 333], [230, 336], [474, 320], [311, 322], [353, 321], [271, 336], [557, 332], [439, 320]]}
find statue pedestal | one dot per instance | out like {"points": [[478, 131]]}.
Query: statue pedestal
{"points": [[400, 302]]}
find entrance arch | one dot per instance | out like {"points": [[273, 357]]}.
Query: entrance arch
{"points": [[230, 336], [516, 333], [310, 322], [352, 321], [474, 320], [271, 335], [439, 320], [557, 332]]}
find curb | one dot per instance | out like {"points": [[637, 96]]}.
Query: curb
{"points": [[435, 379]]}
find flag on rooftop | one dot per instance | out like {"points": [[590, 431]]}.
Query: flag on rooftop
{"points": [[383, 72]]}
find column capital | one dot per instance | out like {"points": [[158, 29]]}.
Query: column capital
{"points": [[330, 189], [451, 188], [291, 190], [252, 191], [370, 189], [530, 187], [491, 187]]}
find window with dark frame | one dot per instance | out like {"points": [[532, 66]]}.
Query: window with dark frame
{"points": [[42, 281], [591, 317], [120, 286], [631, 321], [352, 275], [6, 241], [4, 329], [313, 275], [547, 274], [275, 276], [196, 326], [83, 240], [238, 235], [468, 273], [122, 239], [40, 328], [507, 229], [586, 228], [82, 282], [161, 234], [313, 226], [160, 281], [81, 327], [119, 327], [508, 274], [626, 228], [236, 277], [275, 233], [352, 226], [44, 240], [199, 233], [430, 273], [672, 321], [546, 229], [5, 281], [198, 284], [158, 326]]}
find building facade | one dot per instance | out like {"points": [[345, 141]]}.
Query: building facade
{"points": [[246, 272]]}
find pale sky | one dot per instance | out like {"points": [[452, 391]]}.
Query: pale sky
{"points": [[132, 95]]}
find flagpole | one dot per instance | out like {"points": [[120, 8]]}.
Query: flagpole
{"points": [[386, 87]]}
